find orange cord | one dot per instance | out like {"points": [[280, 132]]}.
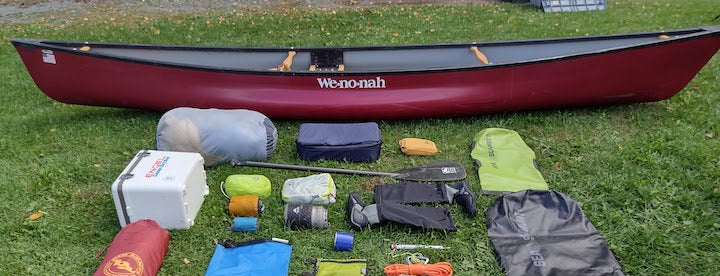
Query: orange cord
{"points": [[437, 269]]}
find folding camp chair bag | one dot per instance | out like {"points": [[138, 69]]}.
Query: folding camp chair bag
{"points": [[357, 142], [536, 232]]}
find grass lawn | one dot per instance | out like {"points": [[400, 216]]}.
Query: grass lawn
{"points": [[647, 175]]}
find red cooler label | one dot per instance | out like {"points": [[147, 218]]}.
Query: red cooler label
{"points": [[157, 166]]}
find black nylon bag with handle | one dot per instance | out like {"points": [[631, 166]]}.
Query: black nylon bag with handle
{"points": [[538, 232]]}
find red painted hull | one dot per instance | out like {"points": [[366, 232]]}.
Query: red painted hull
{"points": [[640, 74]]}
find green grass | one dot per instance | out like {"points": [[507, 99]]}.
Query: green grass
{"points": [[646, 174]]}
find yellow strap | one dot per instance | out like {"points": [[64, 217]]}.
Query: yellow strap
{"points": [[85, 48], [663, 37], [479, 55], [287, 63]]}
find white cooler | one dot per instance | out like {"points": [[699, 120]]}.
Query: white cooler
{"points": [[165, 186]]}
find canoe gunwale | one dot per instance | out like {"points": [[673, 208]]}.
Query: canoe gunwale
{"points": [[687, 34]]}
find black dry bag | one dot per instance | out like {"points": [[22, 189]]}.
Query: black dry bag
{"points": [[538, 232]]}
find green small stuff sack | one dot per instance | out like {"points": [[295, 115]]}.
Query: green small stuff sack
{"points": [[330, 267], [506, 163], [242, 184]]}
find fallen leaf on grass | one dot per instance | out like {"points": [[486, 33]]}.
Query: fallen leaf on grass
{"points": [[35, 216], [710, 135], [186, 261], [558, 166]]}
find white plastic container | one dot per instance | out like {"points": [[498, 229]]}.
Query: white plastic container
{"points": [[165, 186]]}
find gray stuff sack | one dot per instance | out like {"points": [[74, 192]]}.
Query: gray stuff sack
{"points": [[318, 189], [218, 135]]}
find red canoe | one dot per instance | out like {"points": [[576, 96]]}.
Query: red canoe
{"points": [[386, 82]]}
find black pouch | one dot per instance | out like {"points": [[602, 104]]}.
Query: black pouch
{"points": [[538, 232]]}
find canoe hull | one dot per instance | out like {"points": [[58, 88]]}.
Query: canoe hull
{"points": [[640, 74]]}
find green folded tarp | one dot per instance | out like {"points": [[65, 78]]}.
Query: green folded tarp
{"points": [[506, 163]]}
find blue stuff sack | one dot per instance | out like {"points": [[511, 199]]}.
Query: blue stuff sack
{"points": [[355, 142], [251, 258]]}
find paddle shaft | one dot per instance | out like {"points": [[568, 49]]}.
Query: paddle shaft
{"points": [[314, 169]]}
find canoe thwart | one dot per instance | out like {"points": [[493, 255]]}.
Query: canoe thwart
{"points": [[479, 55]]}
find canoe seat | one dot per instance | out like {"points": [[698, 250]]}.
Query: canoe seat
{"points": [[315, 68], [327, 60]]}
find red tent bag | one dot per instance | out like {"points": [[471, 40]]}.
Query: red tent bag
{"points": [[139, 249]]}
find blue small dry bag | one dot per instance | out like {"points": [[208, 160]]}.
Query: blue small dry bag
{"points": [[255, 257]]}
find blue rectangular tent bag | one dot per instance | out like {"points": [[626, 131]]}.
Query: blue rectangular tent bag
{"points": [[251, 258], [356, 142]]}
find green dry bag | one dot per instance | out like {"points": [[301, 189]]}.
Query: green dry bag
{"points": [[506, 163]]}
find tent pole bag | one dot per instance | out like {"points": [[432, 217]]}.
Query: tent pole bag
{"points": [[138, 249], [357, 142]]}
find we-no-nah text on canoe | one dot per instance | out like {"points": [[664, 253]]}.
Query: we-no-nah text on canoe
{"points": [[377, 82]]}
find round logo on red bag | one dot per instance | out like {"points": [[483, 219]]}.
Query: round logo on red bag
{"points": [[124, 264]]}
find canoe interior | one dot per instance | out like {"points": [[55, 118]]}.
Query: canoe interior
{"points": [[373, 59]]}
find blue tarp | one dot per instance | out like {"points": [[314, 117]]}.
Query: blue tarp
{"points": [[256, 258]]}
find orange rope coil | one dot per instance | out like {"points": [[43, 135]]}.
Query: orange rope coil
{"points": [[437, 269]]}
